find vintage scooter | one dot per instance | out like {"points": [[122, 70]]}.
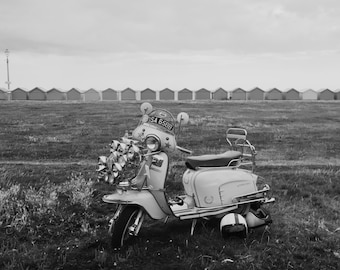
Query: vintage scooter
{"points": [[215, 186]]}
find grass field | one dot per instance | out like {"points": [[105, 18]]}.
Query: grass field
{"points": [[52, 216]]}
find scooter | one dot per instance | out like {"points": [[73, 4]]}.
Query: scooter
{"points": [[219, 186]]}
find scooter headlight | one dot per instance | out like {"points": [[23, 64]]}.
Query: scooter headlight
{"points": [[153, 143]]}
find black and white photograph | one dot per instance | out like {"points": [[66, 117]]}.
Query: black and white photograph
{"points": [[169, 134]]}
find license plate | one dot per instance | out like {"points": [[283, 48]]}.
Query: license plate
{"points": [[161, 122]]}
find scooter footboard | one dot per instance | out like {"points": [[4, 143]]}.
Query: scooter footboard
{"points": [[140, 198]]}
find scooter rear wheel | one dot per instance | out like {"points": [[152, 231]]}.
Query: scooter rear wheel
{"points": [[120, 231]]}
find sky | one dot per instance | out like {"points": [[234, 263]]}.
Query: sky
{"points": [[172, 44]]}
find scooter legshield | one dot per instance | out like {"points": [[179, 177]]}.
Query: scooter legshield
{"points": [[142, 198]]}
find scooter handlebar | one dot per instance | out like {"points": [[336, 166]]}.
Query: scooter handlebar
{"points": [[186, 151]]}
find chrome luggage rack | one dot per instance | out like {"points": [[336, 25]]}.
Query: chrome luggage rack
{"points": [[237, 141]]}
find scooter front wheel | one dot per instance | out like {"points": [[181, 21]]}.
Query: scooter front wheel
{"points": [[121, 232]]}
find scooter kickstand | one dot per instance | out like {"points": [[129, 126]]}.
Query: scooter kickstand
{"points": [[193, 225]]}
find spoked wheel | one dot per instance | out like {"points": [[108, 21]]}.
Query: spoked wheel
{"points": [[121, 233]]}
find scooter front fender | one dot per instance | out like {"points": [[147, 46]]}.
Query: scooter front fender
{"points": [[141, 198]]}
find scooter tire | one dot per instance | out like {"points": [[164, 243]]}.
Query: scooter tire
{"points": [[120, 231]]}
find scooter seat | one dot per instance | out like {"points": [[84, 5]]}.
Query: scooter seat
{"points": [[218, 160]]}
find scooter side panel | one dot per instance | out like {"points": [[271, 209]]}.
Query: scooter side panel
{"points": [[236, 188], [140, 198], [217, 186]]}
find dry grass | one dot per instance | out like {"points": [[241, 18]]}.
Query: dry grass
{"points": [[52, 216]]}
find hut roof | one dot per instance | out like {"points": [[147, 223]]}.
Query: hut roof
{"points": [[75, 90], [185, 90], [4, 90], [289, 90], [167, 90], [39, 89], [220, 89], [255, 89], [56, 89], [202, 90], [148, 90], [238, 89], [91, 90], [307, 90], [273, 90], [325, 90], [109, 89], [127, 89]]}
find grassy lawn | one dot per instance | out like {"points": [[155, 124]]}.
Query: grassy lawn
{"points": [[52, 216]]}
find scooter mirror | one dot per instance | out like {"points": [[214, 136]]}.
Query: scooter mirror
{"points": [[146, 108], [183, 118]]}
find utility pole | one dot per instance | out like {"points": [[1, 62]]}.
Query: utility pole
{"points": [[8, 81]]}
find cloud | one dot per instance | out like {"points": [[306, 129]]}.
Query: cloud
{"points": [[171, 43], [110, 26]]}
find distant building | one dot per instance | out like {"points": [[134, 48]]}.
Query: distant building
{"points": [[220, 94], [91, 95], [73, 94], [109, 94], [238, 94], [167, 94], [337, 94], [326, 94], [309, 94], [55, 94], [128, 94], [19, 94], [292, 94], [255, 94], [37, 93], [202, 94], [274, 94], [148, 94], [185, 94], [4, 94]]}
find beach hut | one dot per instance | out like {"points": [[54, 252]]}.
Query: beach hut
{"points": [[309, 94], [255, 94], [128, 94], [55, 94], [337, 94], [37, 93], [148, 94], [220, 94], [185, 94], [292, 94], [167, 94], [109, 94], [274, 94], [91, 95], [202, 94], [3, 94], [73, 94], [238, 94], [19, 94], [326, 94]]}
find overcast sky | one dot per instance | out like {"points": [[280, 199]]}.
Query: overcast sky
{"points": [[171, 43]]}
